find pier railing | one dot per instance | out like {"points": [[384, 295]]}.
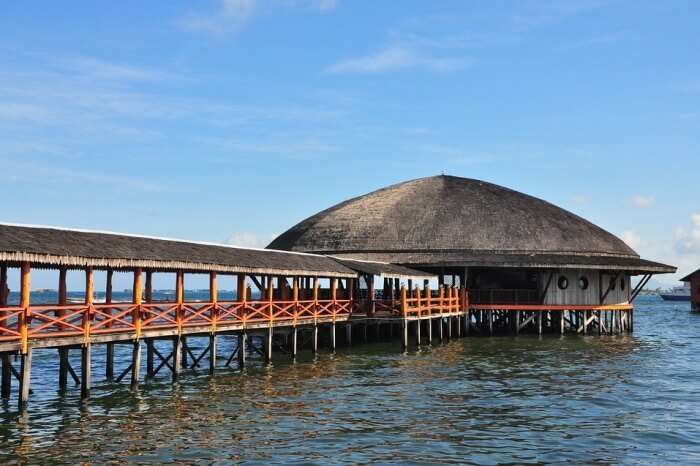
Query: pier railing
{"points": [[74, 320]]}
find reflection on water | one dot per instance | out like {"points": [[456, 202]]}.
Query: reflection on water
{"points": [[482, 400]]}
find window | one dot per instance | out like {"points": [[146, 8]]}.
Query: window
{"points": [[563, 283], [583, 283]]}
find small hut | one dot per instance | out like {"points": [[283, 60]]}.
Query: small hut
{"points": [[694, 280]]}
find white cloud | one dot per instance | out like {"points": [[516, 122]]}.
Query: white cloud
{"points": [[643, 201], [688, 241], [400, 57], [632, 239], [580, 199], [250, 240], [100, 69], [232, 15]]}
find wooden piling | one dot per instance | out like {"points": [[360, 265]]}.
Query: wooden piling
{"points": [[404, 320], [25, 377], [85, 370], [137, 295], [6, 382], [22, 323], [242, 339], [294, 343], [109, 353], [212, 353]]}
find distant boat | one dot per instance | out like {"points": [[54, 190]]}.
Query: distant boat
{"points": [[678, 293]]}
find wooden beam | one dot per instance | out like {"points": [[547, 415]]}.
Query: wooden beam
{"points": [[611, 283], [241, 287]]}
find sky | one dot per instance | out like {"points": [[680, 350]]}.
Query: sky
{"points": [[231, 120]]}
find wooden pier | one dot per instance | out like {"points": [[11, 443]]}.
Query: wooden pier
{"points": [[284, 302]]}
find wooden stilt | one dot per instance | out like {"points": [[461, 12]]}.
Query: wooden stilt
{"points": [[562, 321], [62, 369], [490, 318], [348, 334], [149, 358], [539, 322], [135, 363], [332, 330], [242, 339], [212, 352], [418, 335], [405, 333], [109, 363], [314, 339], [294, 343], [177, 356], [6, 382], [24, 379], [85, 370], [430, 330], [517, 322], [440, 329], [268, 345]]}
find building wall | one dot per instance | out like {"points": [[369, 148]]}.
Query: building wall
{"points": [[574, 292], [695, 292]]}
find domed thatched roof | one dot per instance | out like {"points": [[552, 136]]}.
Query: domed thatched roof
{"points": [[452, 220]]}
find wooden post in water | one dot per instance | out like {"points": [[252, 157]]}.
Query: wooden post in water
{"points": [[22, 323], [314, 331], [137, 295], [416, 295], [242, 291], [109, 363], [562, 321], [86, 350], [334, 292], [268, 344], [404, 319], [177, 342], [295, 298], [213, 299], [150, 342], [62, 352], [429, 307], [6, 382]]}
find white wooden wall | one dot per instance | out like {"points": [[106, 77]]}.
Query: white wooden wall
{"points": [[573, 294]]}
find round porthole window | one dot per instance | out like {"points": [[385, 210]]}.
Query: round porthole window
{"points": [[583, 283], [563, 283]]}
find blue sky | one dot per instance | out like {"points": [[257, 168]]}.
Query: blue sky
{"points": [[231, 120]]}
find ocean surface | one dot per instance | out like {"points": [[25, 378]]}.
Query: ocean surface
{"points": [[522, 400]]}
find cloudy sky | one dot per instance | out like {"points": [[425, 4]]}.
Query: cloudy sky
{"points": [[230, 120]]}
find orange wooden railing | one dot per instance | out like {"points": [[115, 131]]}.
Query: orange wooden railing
{"points": [[74, 320]]}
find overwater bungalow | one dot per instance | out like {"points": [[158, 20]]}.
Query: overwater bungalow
{"points": [[436, 257]]}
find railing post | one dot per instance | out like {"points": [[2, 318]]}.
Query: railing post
{"points": [[214, 313], [314, 334], [404, 316], [178, 342], [295, 296], [23, 324], [372, 296], [137, 293]]}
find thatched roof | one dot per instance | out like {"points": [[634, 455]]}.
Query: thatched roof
{"points": [[458, 220], [53, 247], [384, 269]]}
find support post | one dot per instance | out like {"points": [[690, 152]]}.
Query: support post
{"points": [[6, 386], [86, 350], [539, 322], [562, 321], [242, 339], [348, 334], [314, 336], [294, 342], [137, 294], [404, 320], [268, 346], [109, 354], [26, 366], [85, 370], [214, 299], [150, 368], [25, 376]]}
